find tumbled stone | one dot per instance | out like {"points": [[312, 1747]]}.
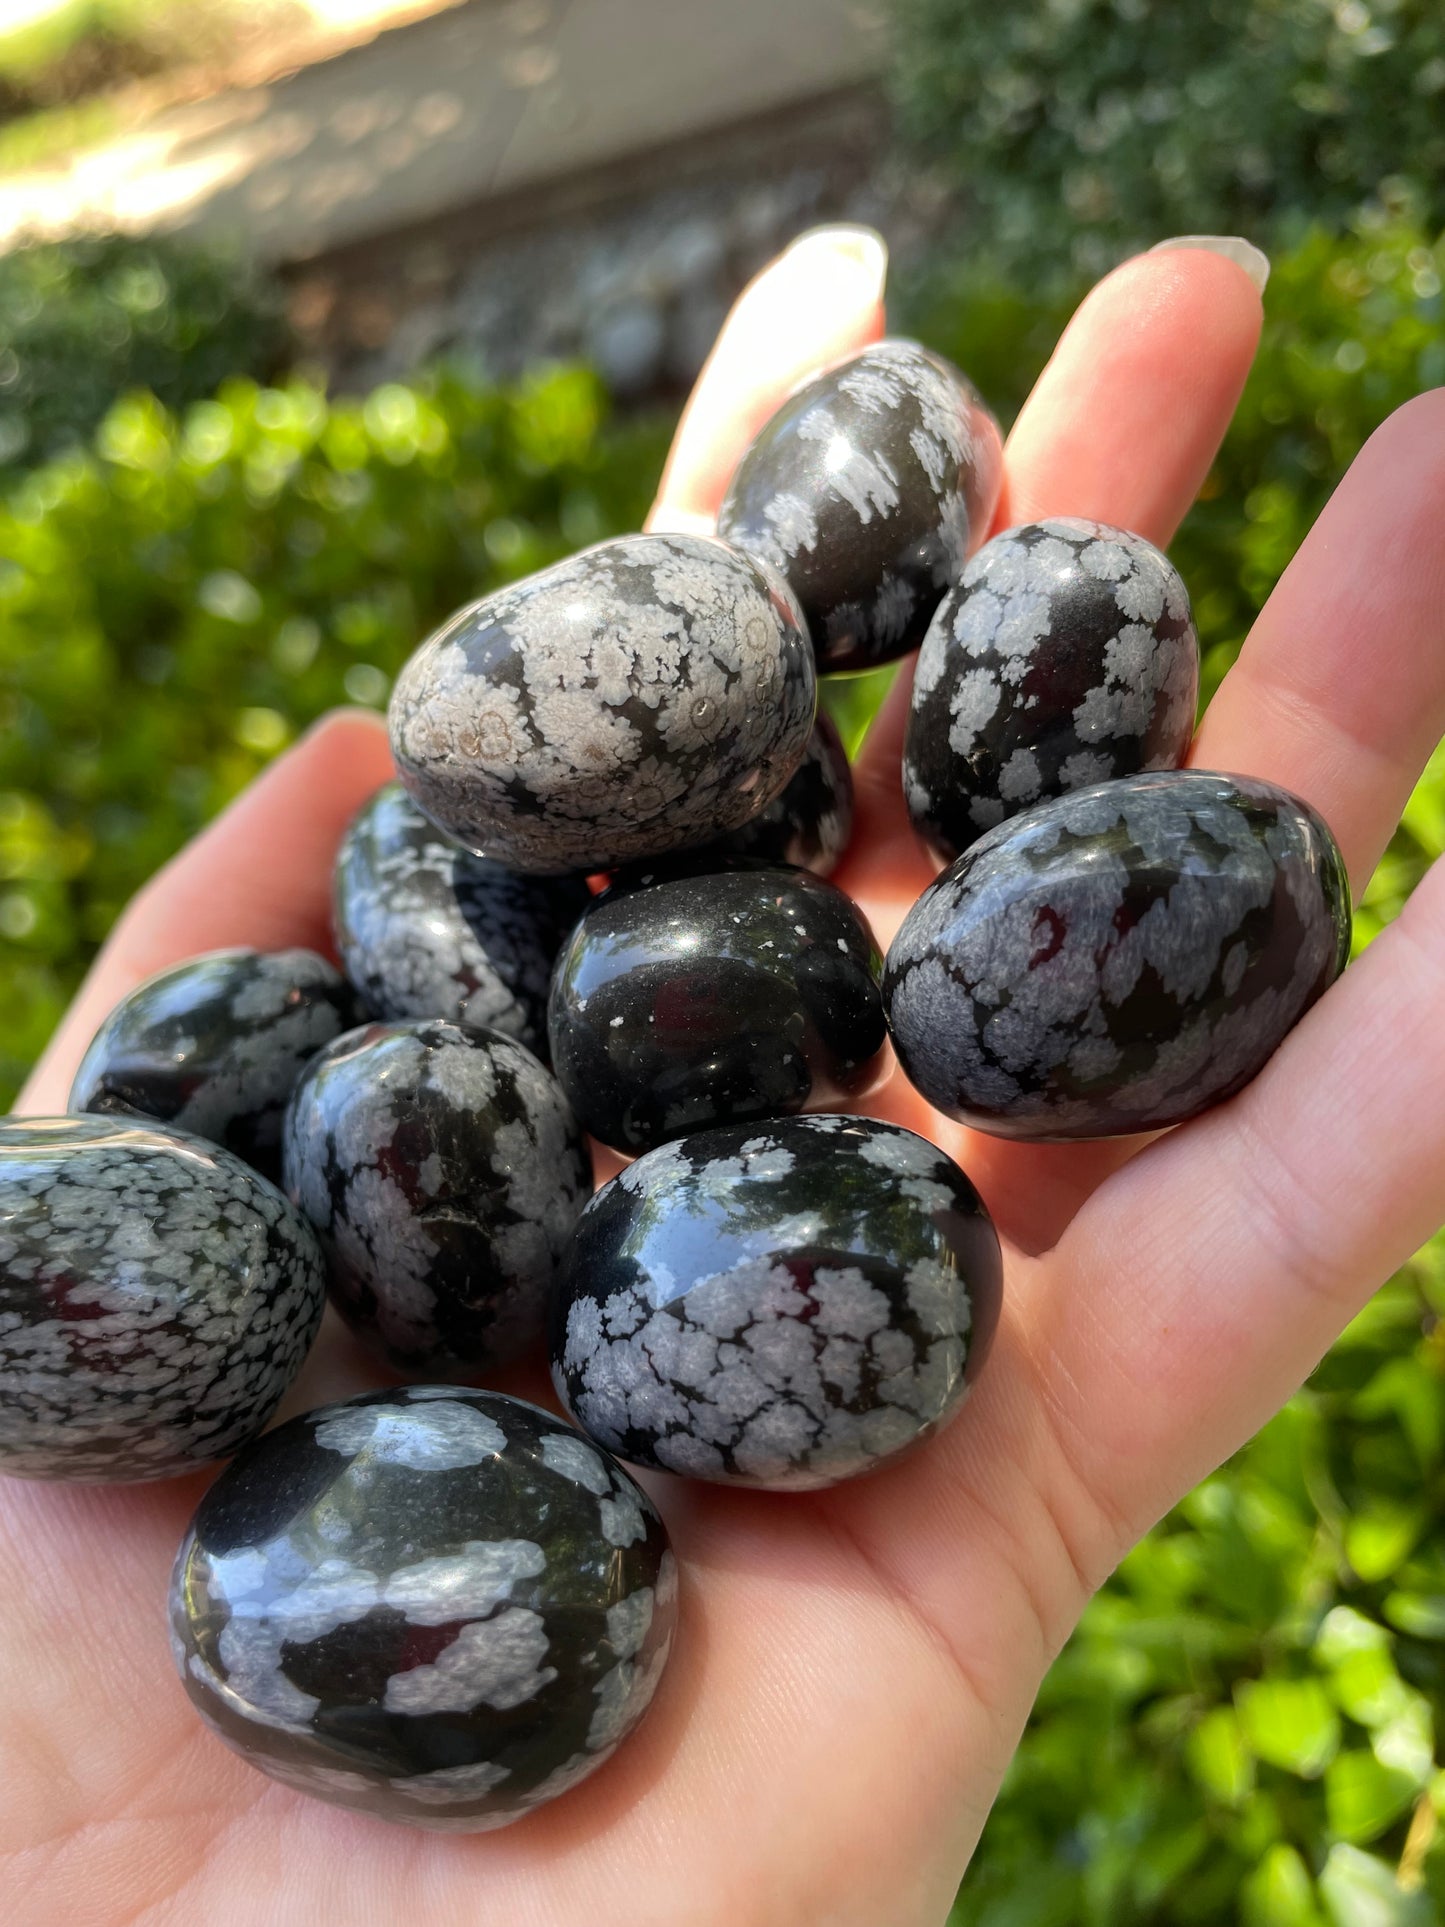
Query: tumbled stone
{"points": [[784, 1304], [1120, 958], [810, 823], [866, 490], [443, 1173], [699, 999], [1065, 656], [653, 692], [443, 1607], [215, 1045], [157, 1297], [425, 929]]}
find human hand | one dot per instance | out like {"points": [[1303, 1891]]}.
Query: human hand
{"points": [[854, 1667]]}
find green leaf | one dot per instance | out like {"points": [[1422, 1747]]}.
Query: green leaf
{"points": [[1291, 1723], [1421, 1615], [1378, 1541], [1363, 1798], [1279, 1892], [1361, 1891], [1219, 1759]]}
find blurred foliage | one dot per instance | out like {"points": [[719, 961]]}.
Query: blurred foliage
{"points": [[1246, 1727], [177, 604], [1080, 129], [82, 321], [80, 48]]}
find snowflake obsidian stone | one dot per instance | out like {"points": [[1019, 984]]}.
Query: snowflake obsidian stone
{"points": [[157, 1297], [810, 822], [1119, 958], [866, 490], [215, 1045], [1065, 656], [696, 1000], [781, 1305], [441, 1606], [425, 929], [653, 692], [443, 1172]]}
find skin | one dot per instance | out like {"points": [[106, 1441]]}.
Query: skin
{"points": [[854, 1668]]}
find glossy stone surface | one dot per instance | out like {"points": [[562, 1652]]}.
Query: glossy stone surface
{"points": [[866, 491], [782, 1305], [741, 994], [157, 1297], [652, 692], [810, 823], [443, 1607], [1120, 958], [215, 1045], [425, 929], [443, 1172], [1065, 656]]}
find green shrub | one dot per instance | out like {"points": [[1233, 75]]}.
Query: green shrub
{"points": [[177, 604], [85, 320], [1078, 129]]}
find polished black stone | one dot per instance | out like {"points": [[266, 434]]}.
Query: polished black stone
{"points": [[1065, 656], [866, 490], [653, 692], [740, 994], [1119, 958], [443, 1607], [157, 1297], [784, 1304], [443, 1172], [215, 1045], [810, 823], [425, 929]]}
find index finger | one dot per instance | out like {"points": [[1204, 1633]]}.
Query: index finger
{"points": [[818, 301]]}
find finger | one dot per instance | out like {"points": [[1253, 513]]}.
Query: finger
{"points": [[1339, 692], [259, 875], [1200, 1285], [1121, 427], [817, 302]]}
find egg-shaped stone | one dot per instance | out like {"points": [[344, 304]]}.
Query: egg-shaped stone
{"points": [[157, 1298], [810, 822], [1119, 958], [784, 1304], [426, 929], [1065, 656], [744, 993], [443, 1607], [443, 1173], [650, 693], [866, 490], [214, 1046]]}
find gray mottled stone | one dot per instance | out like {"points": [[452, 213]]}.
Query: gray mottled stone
{"points": [[653, 692], [866, 490], [443, 1172], [781, 1305], [157, 1297], [443, 1607], [426, 929], [214, 1046], [1119, 958], [810, 822], [1065, 656]]}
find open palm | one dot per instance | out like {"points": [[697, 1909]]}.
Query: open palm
{"points": [[853, 1668]]}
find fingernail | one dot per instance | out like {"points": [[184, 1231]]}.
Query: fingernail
{"points": [[1244, 254], [862, 248]]}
